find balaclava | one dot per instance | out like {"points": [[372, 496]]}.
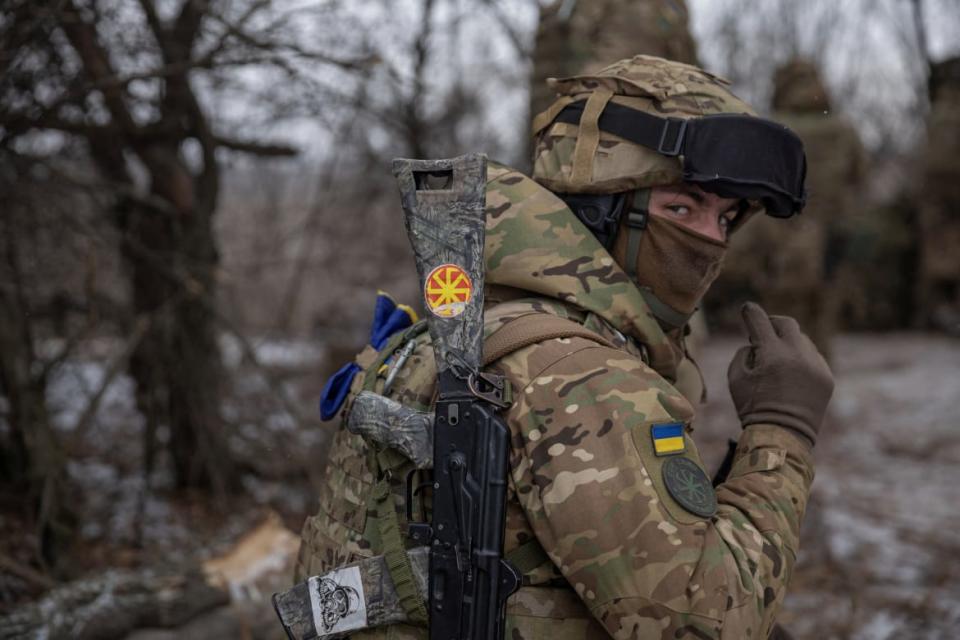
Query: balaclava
{"points": [[674, 266]]}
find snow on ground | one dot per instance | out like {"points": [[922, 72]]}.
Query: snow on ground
{"points": [[106, 459], [274, 352], [881, 541]]}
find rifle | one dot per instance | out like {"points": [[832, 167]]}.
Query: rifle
{"points": [[469, 581]]}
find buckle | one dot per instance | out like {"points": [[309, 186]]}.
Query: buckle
{"points": [[489, 387], [677, 145], [637, 219]]}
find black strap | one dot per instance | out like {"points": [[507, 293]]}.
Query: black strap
{"points": [[721, 476], [666, 135]]}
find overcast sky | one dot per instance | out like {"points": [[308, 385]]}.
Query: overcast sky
{"points": [[863, 46]]}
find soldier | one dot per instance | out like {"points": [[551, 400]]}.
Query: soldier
{"points": [[582, 37], [938, 288], [593, 268], [792, 268]]}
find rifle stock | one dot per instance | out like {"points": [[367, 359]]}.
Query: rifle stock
{"points": [[469, 579]]}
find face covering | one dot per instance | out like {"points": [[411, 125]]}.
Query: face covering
{"points": [[678, 265]]}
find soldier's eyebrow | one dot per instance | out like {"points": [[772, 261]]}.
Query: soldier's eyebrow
{"points": [[683, 190]]}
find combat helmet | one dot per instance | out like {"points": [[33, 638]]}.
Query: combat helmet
{"points": [[645, 122]]}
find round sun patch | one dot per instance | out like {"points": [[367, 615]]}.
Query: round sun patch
{"points": [[447, 291]]}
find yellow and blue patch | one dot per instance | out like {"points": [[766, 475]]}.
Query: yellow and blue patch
{"points": [[667, 438]]}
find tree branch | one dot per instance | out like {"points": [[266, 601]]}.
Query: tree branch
{"points": [[506, 22], [256, 148], [189, 284], [96, 63], [187, 25], [24, 572], [153, 19], [86, 418]]}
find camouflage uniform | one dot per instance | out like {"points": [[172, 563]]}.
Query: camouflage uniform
{"points": [[580, 37], [584, 36], [626, 560], [938, 288], [790, 266]]}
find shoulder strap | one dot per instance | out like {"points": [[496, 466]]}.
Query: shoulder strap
{"points": [[515, 335], [533, 328]]}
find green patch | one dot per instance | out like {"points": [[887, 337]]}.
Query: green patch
{"points": [[690, 486]]}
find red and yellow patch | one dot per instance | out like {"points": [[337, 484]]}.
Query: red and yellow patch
{"points": [[447, 291]]}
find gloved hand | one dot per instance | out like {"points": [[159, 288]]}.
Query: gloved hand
{"points": [[780, 378]]}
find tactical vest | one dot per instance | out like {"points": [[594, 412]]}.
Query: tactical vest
{"points": [[364, 503]]}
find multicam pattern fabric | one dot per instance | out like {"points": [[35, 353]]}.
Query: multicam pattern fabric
{"points": [[661, 87], [548, 252], [626, 559]]}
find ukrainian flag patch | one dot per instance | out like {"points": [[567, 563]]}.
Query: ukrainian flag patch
{"points": [[667, 438]]}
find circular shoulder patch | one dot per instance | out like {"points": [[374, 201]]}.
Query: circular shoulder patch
{"points": [[690, 486], [447, 290]]}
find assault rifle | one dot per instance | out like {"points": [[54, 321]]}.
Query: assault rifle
{"points": [[469, 580], [459, 570]]}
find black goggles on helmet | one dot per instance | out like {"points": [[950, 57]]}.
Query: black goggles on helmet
{"points": [[731, 155]]}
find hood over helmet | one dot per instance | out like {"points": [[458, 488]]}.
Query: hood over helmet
{"points": [[536, 246]]}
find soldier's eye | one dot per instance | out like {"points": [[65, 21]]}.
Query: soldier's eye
{"points": [[726, 223], [679, 210]]}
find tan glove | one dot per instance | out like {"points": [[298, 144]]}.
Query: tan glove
{"points": [[780, 378]]}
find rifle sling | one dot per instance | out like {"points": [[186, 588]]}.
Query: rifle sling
{"points": [[517, 334], [530, 329], [391, 542]]}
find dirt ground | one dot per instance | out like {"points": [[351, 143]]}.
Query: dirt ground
{"points": [[881, 549], [880, 556]]}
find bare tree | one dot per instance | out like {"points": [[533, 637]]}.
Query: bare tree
{"points": [[424, 98], [35, 304], [136, 84]]}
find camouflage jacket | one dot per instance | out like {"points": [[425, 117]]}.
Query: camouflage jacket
{"points": [[626, 559]]}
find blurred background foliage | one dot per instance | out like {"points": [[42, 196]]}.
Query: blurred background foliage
{"points": [[197, 210]]}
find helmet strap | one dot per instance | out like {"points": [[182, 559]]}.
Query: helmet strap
{"points": [[588, 137], [636, 223], [668, 317]]}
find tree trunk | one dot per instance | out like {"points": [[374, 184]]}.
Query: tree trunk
{"points": [[173, 259], [32, 463]]}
